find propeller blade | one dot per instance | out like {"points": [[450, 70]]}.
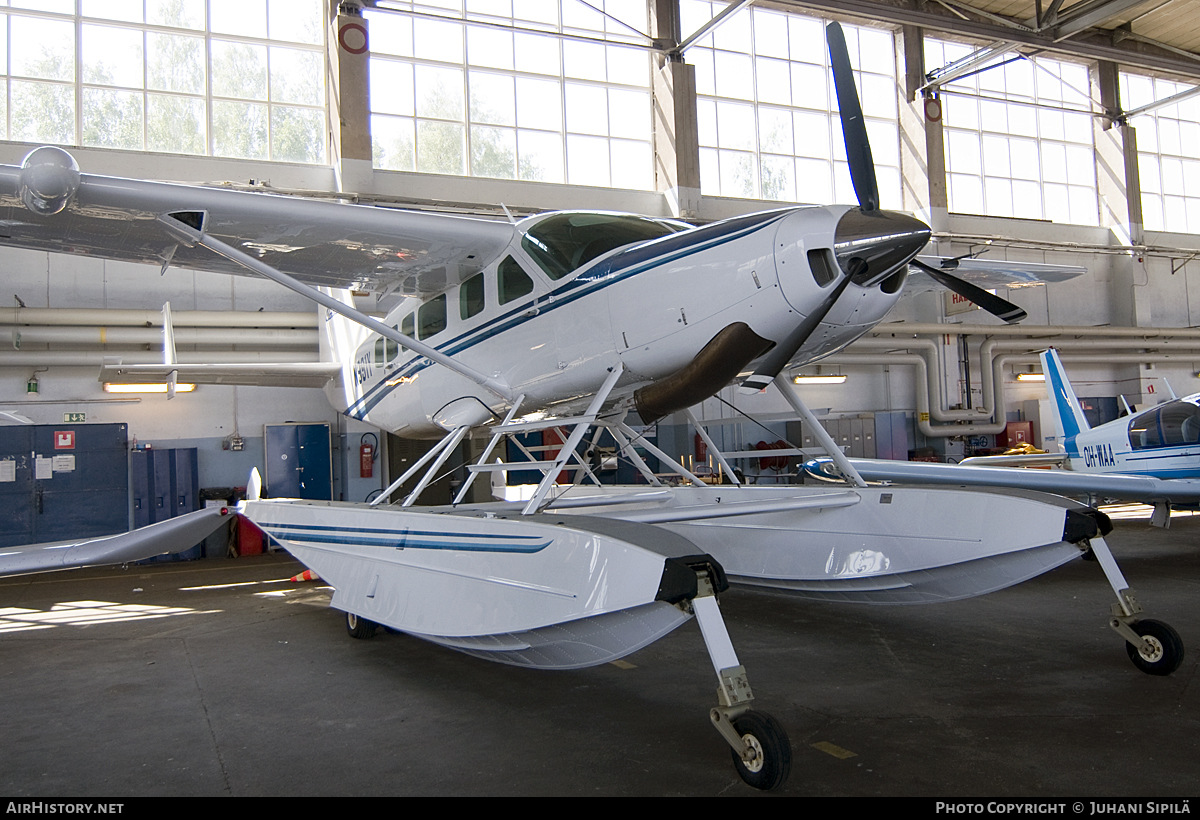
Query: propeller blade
{"points": [[1000, 308], [778, 357], [854, 128]]}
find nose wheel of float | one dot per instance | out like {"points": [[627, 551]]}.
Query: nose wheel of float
{"points": [[1154, 647], [765, 758], [762, 753], [1160, 651]]}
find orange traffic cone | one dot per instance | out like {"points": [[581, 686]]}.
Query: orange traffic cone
{"points": [[307, 575]]}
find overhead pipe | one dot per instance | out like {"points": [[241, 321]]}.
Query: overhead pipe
{"points": [[927, 365], [86, 358], [154, 318], [924, 411], [207, 336], [935, 329]]}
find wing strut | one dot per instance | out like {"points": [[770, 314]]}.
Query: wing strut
{"points": [[189, 235], [823, 438], [712, 448]]}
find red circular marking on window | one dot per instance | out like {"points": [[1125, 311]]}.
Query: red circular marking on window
{"points": [[362, 35]]}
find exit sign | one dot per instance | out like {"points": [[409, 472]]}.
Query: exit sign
{"points": [[74, 418]]}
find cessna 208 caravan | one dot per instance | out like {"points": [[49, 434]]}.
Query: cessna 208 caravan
{"points": [[583, 317]]}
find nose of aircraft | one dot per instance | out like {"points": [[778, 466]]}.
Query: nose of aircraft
{"points": [[871, 245]]}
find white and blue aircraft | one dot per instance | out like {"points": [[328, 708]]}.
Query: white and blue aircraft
{"points": [[575, 320], [1152, 456]]}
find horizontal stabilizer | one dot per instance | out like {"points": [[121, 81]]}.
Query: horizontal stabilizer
{"points": [[992, 273], [284, 374], [171, 536]]}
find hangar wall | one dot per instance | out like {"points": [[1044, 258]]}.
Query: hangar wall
{"points": [[1156, 289]]}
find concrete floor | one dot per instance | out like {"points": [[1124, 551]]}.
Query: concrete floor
{"points": [[219, 678]]}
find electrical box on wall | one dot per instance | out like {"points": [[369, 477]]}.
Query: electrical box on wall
{"points": [[1015, 434]]}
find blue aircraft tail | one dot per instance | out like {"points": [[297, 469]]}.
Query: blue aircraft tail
{"points": [[1068, 415]]}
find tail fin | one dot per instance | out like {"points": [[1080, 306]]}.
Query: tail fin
{"points": [[1068, 415]]}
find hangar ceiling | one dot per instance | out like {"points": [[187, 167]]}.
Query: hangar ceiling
{"points": [[1155, 35]]}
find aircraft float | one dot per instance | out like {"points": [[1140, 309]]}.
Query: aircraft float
{"points": [[574, 321]]}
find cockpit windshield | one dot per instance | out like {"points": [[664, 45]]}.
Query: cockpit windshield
{"points": [[1170, 425], [566, 242]]}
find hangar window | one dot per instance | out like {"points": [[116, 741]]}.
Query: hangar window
{"points": [[1168, 143], [1018, 137], [549, 90], [234, 78], [766, 107]]}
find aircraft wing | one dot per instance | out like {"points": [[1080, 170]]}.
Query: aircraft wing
{"points": [[321, 243], [1062, 482], [173, 535], [991, 273], [286, 374]]}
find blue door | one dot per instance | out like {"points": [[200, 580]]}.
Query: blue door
{"points": [[298, 461]]}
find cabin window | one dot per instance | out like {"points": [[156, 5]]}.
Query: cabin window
{"points": [[385, 351], [513, 281], [408, 326], [470, 296], [431, 317]]}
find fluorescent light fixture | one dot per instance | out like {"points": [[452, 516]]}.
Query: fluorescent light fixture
{"points": [[146, 388], [799, 379], [1031, 377]]}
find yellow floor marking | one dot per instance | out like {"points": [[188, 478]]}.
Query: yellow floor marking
{"points": [[836, 751], [623, 665]]}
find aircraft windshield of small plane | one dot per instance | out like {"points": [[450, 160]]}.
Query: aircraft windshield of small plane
{"points": [[1170, 425], [563, 243]]}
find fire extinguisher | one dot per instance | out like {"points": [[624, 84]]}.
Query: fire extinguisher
{"points": [[366, 456]]}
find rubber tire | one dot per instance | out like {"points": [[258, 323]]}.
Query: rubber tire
{"points": [[1168, 639], [359, 627], [768, 734]]}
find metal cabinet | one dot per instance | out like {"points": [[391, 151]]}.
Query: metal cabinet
{"points": [[164, 484], [62, 481]]}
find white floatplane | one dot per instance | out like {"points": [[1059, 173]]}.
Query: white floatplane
{"points": [[585, 317]]}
